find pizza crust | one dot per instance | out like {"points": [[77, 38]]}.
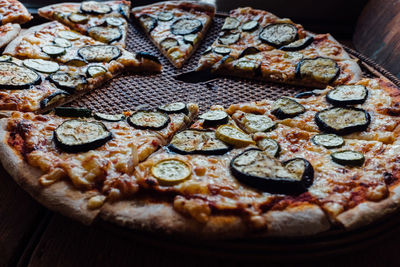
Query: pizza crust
{"points": [[10, 33]]}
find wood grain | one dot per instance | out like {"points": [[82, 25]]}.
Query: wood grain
{"points": [[377, 33]]}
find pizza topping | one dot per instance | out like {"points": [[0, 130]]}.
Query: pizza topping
{"points": [[54, 98], [279, 34], [270, 146], [348, 158], [247, 65], [67, 81], [186, 26], [254, 123], [228, 38], [41, 65], [171, 171], [190, 38], [347, 95], [222, 50], [342, 121], [321, 70], [148, 22], [95, 71], [214, 118], [177, 107], [168, 42], [108, 117], [305, 94], [105, 34], [78, 18], [250, 26], [148, 56], [286, 107], [249, 51], [114, 21], [80, 136], [76, 62], [62, 42], [73, 112], [302, 169], [165, 16], [53, 50], [197, 142], [230, 24], [99, 53], [153, 120], [233, 136], [69, 35], [328, 140], [298, 45], [93, 7], [13, 76], [5, 58]]}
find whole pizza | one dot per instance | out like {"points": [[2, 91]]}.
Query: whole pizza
{"points": [[322, 159]]}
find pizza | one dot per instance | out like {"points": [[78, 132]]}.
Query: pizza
{"points": [[103, 21], [8, 32], [175, 27], [63, 65], [12, 11], [257, 44]]}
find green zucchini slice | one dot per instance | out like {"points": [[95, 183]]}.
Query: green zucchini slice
{"points": [[250, 66], [193, 141], [73, 112], [105, 34], [285, 107], [152, 120], [148, 56], [348, 158], [328, 140], [99, 53], [177, 107], [249, 51], [79, 136], [109, 117], [190, 38], [214, 118], [53, 99], [344, 95], [62, 42], [270, 146], [148, 22], [253, 123], [279, 34], [165, 16], [76, 62], [67, 81], [13, 76], [230, 24], [222, 50], [93, 7], [250, 26], [69, 35], [320, 69], [5, 58], [95, 71], [228, 38], [299, 44], [114, 21], [53, 50], [186, 26], [170, 172], [41, 65], [78, 18], [342, 120], [168, 42]]}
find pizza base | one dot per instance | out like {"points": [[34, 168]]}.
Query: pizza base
{"points": [[11, 31]]}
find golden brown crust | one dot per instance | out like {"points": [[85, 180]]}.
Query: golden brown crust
{"points": [[13, 11], [8, 32]]}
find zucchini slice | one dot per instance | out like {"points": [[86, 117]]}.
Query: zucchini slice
{"points": [[193, 141], [171, 171], [73, 112], [230, 24], [99, 53], [148, 22], [347, 95], [95, 71], [298, 45], [214, 118], [177, 107], [233, 136], [41, 65], [53, 50], [328, 140], [148, 56], [186, 26], [320, 69], [165, 16], [152, 120], [258, 169], [80, 136], [76, 62], [249, 51], [67, 81], [285, 107], [52, 99], [190, 38], [348, 158], [222, 50], [228, 38], [279, 34], [93, 7], [253, 123], [5, 58], [69, 35], [105, 34], [342, 120], [270, 146], [78, 18], [250, 26], [245, 65], [108, 117], [168, 42], [114, 21], [13, 76], [62, 42], [306, 94]]}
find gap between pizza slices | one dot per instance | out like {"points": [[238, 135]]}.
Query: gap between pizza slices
{"points": [[175, 27]]}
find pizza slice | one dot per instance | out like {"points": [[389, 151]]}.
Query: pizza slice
{"points": [[103, 21], [257, 44], [8, 32], [74, 160], [175, 27], [13, 11]]}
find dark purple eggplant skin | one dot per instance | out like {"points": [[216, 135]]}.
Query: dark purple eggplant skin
{"points": [[146, 127], [308, 175], [344, 103], [44, 102], [307, 42], [298, 73], [306, 94], [145, 55]]}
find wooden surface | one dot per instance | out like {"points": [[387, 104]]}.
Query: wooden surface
{"points": [[377, 34]]}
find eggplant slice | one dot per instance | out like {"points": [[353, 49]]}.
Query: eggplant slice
{"points": [[108, 117], [80, 136], [285, 107], [13, 76], [328, 140], [230, 24], [114, 21], [67, 81], [249, 51], [73, 112], [347, 95], [222, 50], [279, 34], [253, 123], [148, 56], [348, 158], [270, 146], [99, 53], [168, 42], [105, 34], [165, 16], [228, 38], [177, 107], [148, 22], [94, 7], [320, 69], [342, 120], [95, 71], [78, 18], [214, 118], [186, 26], [298, 45], [306, 94], [152, 120], [250, 26], [54, 98], [41, 65], [193, 141]]}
